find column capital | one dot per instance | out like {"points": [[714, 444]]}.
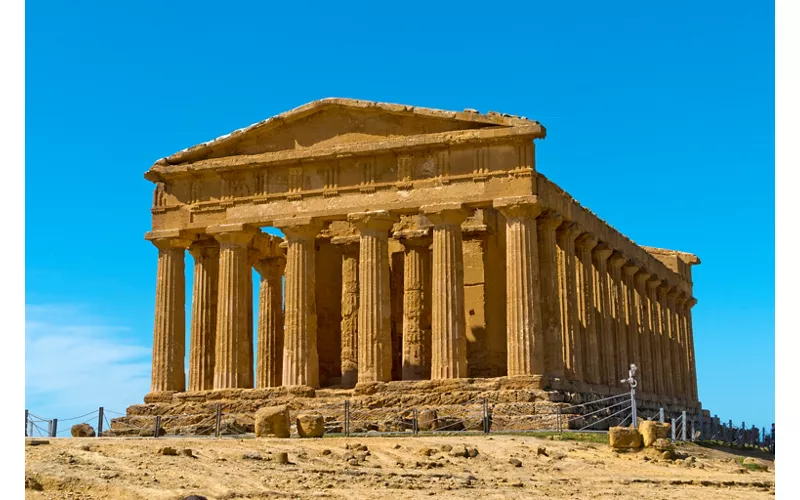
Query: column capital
{"points": [[270, 265], [377, 220], [232, 234], [653, 282], [299, 228], [642, 276], [586, 241], [445, 213], [663, 288], [549, 220], [519, 206], [569, 230], [672, 293], [691, 302], [204, 247], [266, 245], [617, 259], [681, 298], [347, 243], [170, 238], [414, 238], [602, 252]]}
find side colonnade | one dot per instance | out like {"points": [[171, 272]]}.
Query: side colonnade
{"points": [[577, 309]]}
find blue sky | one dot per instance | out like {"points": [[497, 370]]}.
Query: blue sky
{"points": [[660, 119]]}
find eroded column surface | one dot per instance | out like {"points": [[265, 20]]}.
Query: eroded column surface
{"points": [[169, 328], [585, 281], [571, 340], [349, 325], [416, 305], [300, 358], [690, 303], [666, 351], [233, 310], [269, 357], [374, 311], [655, 335], [647, 368], [448, 325], [204, 315], [524, 334], [679, 357], [619, 317], [631, 315], [550, 294], [602, 314]]}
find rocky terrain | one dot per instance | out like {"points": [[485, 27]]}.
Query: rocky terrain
{"points": [[445, 467]]}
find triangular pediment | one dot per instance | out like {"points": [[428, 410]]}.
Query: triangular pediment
{"points": [[332, 122]]}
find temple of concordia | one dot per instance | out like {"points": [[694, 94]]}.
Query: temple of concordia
{"points": [[420, 245]]}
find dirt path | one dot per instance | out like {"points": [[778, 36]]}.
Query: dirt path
{"points": [[390, 468]]}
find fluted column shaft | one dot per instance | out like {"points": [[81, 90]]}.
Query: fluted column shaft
{"points": [[668, 376], [648, 372], [232, 310], [679, 358], [204, 315], [619, 322], [349, 323], [655, 335], [169, 328], [690, 303], [374, 309], [631, 315], [300, 358], [602, 315], [269, 357], [571, 339], [550, 294], [585, 280], [416, 308], [448, 325], [524, 334]]}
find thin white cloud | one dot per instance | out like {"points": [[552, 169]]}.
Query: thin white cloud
{"points": [[76, 362]]}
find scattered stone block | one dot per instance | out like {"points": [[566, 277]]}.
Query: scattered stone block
{"points": [[624, 438], [82, 430], [272, 421], [652, 430], [282, 458], [515, 462], [426, 420], [310, 425], [168, 450]]}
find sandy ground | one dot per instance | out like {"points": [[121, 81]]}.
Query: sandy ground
{"points": [[121, 468]]}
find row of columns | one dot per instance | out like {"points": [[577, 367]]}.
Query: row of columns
{"points": [[576, 308]]}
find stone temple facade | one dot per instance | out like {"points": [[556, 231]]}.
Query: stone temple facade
{"points": [[419, 244]]}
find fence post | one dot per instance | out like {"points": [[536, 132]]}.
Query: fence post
{"points": [[415, 422], [683, 426], [99, 421], [26, 423], [157, 427], [661, 415], [672, 428], [54, 427], [30, 432], [634, 417], [217, 420], [693, 430], [730, 431], [347, 417], [741, 436], [558, 420]]}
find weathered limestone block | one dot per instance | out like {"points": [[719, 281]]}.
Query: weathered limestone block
{"points": [[272, 421], [652, 430], [426, 420], [82, 430], [310, 426], [624, 438]]}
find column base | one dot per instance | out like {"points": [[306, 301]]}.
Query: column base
{"points": [[159, 397]]}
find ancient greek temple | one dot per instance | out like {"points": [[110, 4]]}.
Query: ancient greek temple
{"points": [[418, 244]]}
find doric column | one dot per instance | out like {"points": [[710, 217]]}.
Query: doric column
{"points": [[526, 351], [604, 327], [571, 340], [300, 358], [585, 281], [349, 325], [619, 317], [448, 325], [647, 368], [416, 304], [269, 358], [671, 340], [631, 316], [668, 376], [233, 309], [204, 315], [374, 311], [679, 357], [169, 328], [550, 294], [655, 335], [690, 303]]}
